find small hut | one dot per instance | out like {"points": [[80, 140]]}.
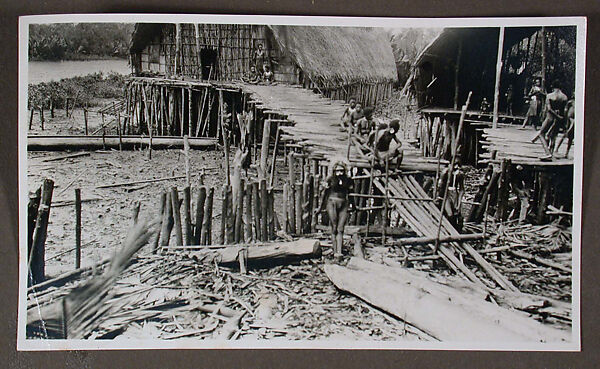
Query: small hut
{"points": [[338, 62]]}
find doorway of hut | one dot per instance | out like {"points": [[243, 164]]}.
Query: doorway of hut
{"points": [[208, 60]]}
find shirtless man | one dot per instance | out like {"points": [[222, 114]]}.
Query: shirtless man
{"points": [[386, 143], [366, 124], [347, 116], [555, 106]]}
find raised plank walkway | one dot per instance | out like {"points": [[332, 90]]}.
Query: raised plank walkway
{"points": [[316, 122]]}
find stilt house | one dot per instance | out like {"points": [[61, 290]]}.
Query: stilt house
{"points": [[339, 62]]}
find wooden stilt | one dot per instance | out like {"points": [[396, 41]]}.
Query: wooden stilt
{"points": [[176, 216], [264, 205], [77, 228], [187, 232], [36, 262], [199, 221], [205, 237], [256, 210], [248, 213], [161, 212], [167, 221]]}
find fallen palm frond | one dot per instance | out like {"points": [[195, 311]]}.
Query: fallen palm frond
{"points": [[77, 313]]}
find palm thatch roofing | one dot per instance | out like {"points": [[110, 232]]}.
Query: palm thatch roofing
{"points": [[327, 55], [339, 54]]}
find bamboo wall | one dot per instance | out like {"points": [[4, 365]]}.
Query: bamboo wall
{"points": [[176, 52]]}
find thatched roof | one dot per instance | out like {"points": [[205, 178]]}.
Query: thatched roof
{"points": [[339, 54], [325, 54]]}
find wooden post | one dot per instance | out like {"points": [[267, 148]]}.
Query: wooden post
{"points": [[239, 209], [224, 211], [189, 112], [286, 218], [149, 124], [200, 201], [186, 153], [257, 211], [264, 205], [248, 213], [225, 139], [230, 226], [307, 203], [41, 117], [177, 48], [503, 190], [85, 119], [273, 163], [119, 129], [264, 150], [187, 232], [66, 107], [498, 73], [167, 221], [543, 59], [298, 205], [176, 216], [451, 168], [205, 237], [197, 34], [161, 212], [456, 73], [31, 117], [270, 215], [77, 228], [36, 262]]}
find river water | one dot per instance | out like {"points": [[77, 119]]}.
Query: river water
{"points": [[46, 71]]}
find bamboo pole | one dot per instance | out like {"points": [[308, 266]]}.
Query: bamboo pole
{"points": [[498, 73], [77, 228], [452, 162], [176, 216], [190, 112]]}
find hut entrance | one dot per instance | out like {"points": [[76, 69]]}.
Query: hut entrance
{"points": [[208, 58]]}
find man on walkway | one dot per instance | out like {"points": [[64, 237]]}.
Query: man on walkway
{"points": [[554, 120], [386, 144]]}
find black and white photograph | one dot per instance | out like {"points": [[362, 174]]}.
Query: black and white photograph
{"points": [[205, 181]]}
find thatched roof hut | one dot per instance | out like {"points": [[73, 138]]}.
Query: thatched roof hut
{"points": [[473, 68], [337, 61]]}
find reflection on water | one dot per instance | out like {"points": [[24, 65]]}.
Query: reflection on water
{"points": [[46, 71]]}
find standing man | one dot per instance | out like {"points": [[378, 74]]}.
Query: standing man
{"points": [[554, 120], [536, 96], [347, 116]]}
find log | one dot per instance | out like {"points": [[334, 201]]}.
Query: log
{"points": [[167, 222], [306, 248], [176, 216], [140, 182], [69, 156], [65, 143], [199, 221], [447, 314], [264, 150], [539, 260]]}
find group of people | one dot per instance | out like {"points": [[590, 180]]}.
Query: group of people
{"points": [[558, 114], [260, 71], [380, 137]]}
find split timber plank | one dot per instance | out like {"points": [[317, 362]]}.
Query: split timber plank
{"points": [[62, 143]]}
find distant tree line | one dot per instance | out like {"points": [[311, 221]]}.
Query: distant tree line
{"points": [[79, 41]]}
